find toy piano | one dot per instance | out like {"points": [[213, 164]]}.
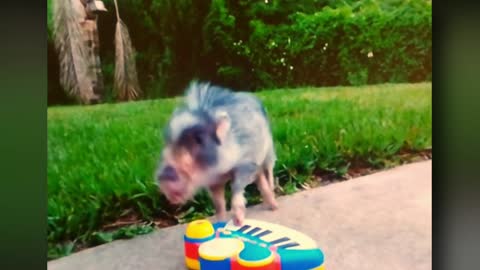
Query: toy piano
{"points": [[255, 245]]}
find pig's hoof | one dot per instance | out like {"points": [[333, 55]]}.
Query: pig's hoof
{"points": [[273, 206], [237, 221], [270, 205], [238, 217]]}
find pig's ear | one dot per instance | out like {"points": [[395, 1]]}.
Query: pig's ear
{"points": [[222, 126]]}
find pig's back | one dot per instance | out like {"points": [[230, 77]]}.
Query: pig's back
{"points": [[249, 124]]}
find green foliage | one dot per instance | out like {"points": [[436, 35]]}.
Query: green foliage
{"points": [[122, 233], [253, 44], [98, 238], [347, 45], [101, 159]]}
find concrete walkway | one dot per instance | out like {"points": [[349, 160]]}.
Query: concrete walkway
{"points": [[380, 221]]}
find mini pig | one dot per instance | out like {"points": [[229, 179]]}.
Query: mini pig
{"points": [[217, 136]]}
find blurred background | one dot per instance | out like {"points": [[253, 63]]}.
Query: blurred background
{"points": [[258, 44]]}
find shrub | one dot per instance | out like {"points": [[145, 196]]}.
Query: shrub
{"points": [[343, 46]]}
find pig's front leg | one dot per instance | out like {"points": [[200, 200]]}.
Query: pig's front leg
{"points": [[242, 177], [217, 192]]}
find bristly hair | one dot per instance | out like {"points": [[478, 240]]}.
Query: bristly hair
{"points": [[71, 48], [126, 81], [195, 94], [205, 96]]}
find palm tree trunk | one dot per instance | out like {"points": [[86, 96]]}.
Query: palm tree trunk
{"points": [[92, 41]]}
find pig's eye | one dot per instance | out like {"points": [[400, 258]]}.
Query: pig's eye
{"points": [[198, 139]]}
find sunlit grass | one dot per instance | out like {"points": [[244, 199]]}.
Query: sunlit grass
{"points": [[101, 158]]}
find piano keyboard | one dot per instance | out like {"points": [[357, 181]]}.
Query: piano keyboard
{"points": [[276, 235], [254, 245]]}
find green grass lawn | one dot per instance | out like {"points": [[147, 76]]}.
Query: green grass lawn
{"points": [[101, 158]]}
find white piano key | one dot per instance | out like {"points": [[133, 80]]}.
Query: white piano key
{"points": [[277, 233]]}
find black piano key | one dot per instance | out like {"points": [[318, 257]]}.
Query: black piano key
{"points": [[289, 245], [283, 239], [243, 228], [254, 230], [263, 233]]}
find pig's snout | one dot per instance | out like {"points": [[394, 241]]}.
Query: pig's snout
{"points": [[168, 174]]}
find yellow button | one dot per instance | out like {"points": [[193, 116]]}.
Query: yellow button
{"points": [[199, 229]]}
